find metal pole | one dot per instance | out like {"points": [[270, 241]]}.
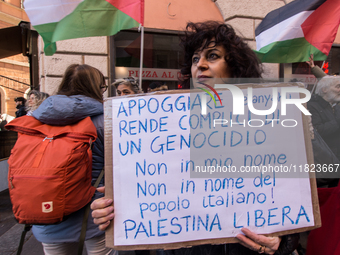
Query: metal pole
{"points": [[141, 56], [112, 75]]}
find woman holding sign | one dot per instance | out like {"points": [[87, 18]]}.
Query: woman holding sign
{"points": [[214, 51]]}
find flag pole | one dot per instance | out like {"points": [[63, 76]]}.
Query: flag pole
{"points": [[141, 55]]}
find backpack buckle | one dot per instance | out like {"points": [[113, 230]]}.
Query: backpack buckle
{"points": [[90, 143], [48, 139]]}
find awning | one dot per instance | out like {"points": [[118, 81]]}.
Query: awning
{"points": [[14, 40]]}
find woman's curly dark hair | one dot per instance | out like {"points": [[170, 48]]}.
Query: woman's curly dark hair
{"points": [[242, 61]]}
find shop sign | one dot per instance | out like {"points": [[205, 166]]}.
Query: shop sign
{"points": [[149, 73]]}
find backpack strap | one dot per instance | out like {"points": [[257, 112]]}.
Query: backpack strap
{"points": [[27, 228], [86, 215]]}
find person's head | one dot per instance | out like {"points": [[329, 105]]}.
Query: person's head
{"points": [[35, 98], [32, 98], [19, 101], [82, 80], [329, 89], [157, 86], [213, 50], [126, 86], [154, 85]]}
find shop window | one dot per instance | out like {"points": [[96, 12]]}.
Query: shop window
{"points": [[331, 66], [162, 57], [160, 50]]}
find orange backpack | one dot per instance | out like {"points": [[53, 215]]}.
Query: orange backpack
{"points": [[50, 169]]}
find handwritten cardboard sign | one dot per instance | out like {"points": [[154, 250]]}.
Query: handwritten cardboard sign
{"points": [[179, 178]]}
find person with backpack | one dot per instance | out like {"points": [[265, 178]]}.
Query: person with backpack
{"points": [[79, 95]]}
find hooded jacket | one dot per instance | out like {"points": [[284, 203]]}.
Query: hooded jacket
{"points": [[21, 111], [326, 120], [63, 110]]}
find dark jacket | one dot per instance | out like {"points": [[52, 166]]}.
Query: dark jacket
{"points": [[288, 244], [326, 120], [21, 111]]}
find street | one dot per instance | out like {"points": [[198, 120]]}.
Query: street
{"points": [[10, 231]]}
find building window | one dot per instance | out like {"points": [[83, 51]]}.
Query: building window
{"points": [[162, 57]]}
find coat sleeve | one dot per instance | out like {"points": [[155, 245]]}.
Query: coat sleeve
{"points": [[98, 148], [288, 244], [318, 73], [325, 128]]}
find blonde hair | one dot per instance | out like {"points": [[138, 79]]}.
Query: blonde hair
{"points": [[39, 97]]}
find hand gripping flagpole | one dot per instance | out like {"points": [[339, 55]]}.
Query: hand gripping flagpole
{"points": [[141, 29]]}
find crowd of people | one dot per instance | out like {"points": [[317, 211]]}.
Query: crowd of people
{"points": [[24, 106], [211, 50]]}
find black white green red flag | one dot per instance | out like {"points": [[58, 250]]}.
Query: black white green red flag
{"points": [[293, 32], [57, 20]]}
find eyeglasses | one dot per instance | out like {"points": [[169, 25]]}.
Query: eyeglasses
{"points": [[104, 87]]}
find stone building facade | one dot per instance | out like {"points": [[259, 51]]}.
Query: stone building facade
{"points": [[14, 70], [161, 17]]}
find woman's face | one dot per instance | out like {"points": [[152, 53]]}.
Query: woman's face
{"points": [[332, 93], [123, 90], [210, 63], [31, 100]]}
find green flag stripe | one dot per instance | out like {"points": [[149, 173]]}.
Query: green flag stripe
{"points": [[90, 18], [289, 51]]}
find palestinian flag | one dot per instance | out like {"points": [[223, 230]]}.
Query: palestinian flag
{"points": [[57, 20], [293, 32]]}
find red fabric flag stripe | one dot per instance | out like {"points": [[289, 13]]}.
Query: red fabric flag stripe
{"points": [[321, 26], [133, 8]]}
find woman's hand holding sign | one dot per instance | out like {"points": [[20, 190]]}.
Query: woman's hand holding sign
{"points": [[102, 211], [259, 243]]}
